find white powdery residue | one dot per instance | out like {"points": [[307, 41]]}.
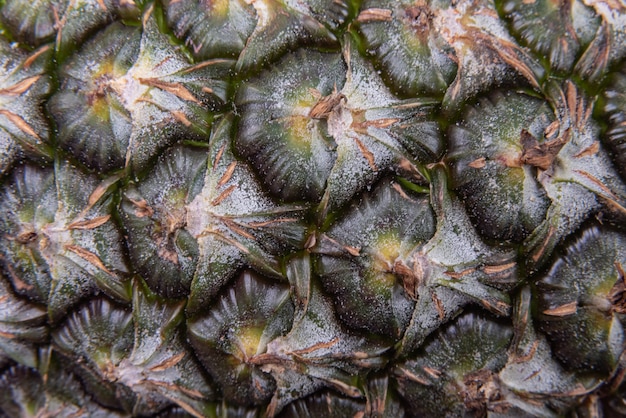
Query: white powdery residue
{"points": [[456, 241], [366, 89], [534, 202], [310, 334], [488, 23], [340, 122], [5, 100], [199, 219], [385, 143], [156, 55], [583, 21], [613, 15], [349, 172], [262, 12], [280, 86], [298, 5], [321, 149], [129, 89], [572, 203], [598, 165], [541, 120], [439, 56], [540, 374], [247, 197], [121, 127], [57, 234], [7, 149], [370, 233], [129, 374], [447, 23], [167, 101], [57, 238], [382, 146], [155, 60]]}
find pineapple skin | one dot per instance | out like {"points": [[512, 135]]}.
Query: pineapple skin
{"points": [[309, 208]]}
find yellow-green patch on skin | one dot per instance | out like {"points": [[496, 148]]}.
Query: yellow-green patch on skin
{"points": [[220, 8], [24, 254], [553, 5], [380, 282], [105, 70], [102, 357], [513, 177], [414, 42], [299, 127], [604, 287], [387, 250], [416, 37], [388, 246], [98, 100], [246, 341], [298, 130], [100, 108], [250, 338], [176, 197]]}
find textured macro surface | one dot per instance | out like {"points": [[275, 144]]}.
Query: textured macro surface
{"points": [[313, 208]]}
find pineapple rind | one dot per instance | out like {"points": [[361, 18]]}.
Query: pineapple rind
{"points": [[65, 22], [275, 125], [400, 35], [609, 43], [281, 25], [319, 352], [502, 195], [615, 109], [375, 131], [60, 243], [230, 336], [236, 223], [439, 379], [24, 85], [587, 285], [325, 403], [142, 94], [556, 31], [341, 125], [142, 355], [580, 181], [362, 254], [459, 269], [153, 212], [22, 327], [212, 29], [57, 392]]}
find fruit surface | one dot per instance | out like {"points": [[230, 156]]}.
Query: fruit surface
{"points": [[312, 208]]}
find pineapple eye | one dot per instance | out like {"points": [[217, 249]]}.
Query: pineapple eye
{"points": [[502, 194], [371, 130], [360, 257], [113, 89], [592, 271], [231, 336], [456, 371], [23, 83], [411, 54]]}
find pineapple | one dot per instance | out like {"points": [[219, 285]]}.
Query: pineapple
{"points": [[310, 208]]}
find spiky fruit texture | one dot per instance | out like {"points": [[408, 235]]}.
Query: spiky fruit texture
{"points": [[311, 208]]}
